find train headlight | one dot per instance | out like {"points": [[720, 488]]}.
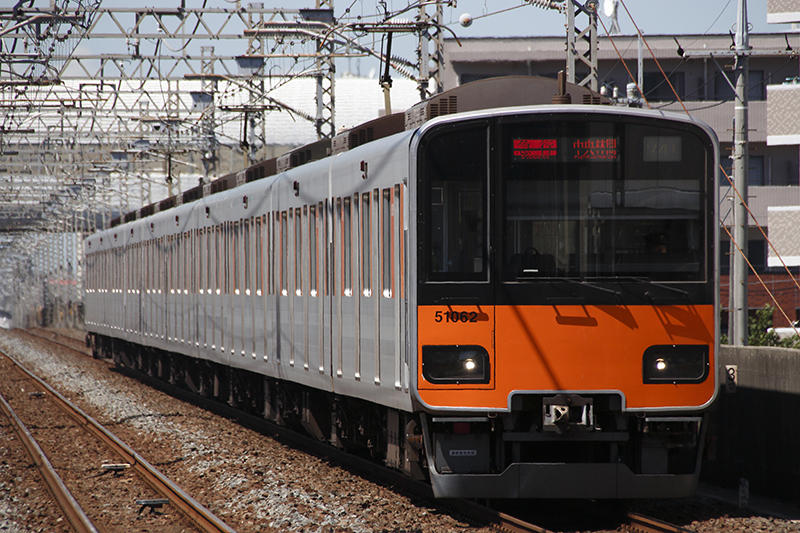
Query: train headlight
{"points": [[455, 364], [675, 363]]}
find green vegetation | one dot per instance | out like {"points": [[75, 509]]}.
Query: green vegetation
{"points": [[759, 334]]}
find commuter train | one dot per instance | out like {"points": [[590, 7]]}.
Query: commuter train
{"points": [[507, 297]]}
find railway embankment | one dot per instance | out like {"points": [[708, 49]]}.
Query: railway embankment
{"points": [[754, 434]]}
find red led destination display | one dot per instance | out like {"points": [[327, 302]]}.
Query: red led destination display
{"points": [[594, 149], [535, 149], [572, 149]]}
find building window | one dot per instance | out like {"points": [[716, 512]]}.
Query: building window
{"points": [[723, 90], [757, 254], [656, 87]]}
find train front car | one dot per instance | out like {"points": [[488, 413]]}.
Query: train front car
{"points": [[566, 301]]}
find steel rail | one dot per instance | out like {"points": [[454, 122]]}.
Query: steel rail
{"points": [[73, 512], [639, 523], [202, 517]]}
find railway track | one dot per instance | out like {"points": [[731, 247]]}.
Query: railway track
{"points": [[200, 516], [72, 510]]}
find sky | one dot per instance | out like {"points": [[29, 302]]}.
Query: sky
{"points": [[652, 17]]}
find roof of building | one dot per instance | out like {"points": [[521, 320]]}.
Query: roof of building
{"points": [[551, 48]]}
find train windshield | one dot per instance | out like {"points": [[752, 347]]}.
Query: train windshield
{"points": [[608, 199]]}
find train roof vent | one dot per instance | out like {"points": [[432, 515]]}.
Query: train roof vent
{"points": [[146, 211], [304, 154], [195, 193], [130, 216], [445, 105], [261, 170], [115, 221], [167, 203], [223, 184], [489, 93], [369, 131]]}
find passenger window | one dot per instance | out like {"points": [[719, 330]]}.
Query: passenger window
{"points": [[298, 252], [312, 250], [284, 248], [247, 282], [366, 246], [386, 243], [347, 271], [259, 224]]}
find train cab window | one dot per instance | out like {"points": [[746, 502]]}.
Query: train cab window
{"points": [[454, 184]]}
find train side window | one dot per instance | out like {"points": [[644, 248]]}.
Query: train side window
{"points": [[275, 250], [347, 249], [209, 258], [284, 251], [187, 268], [196, 265], [386, 243], [297, 244], [223, 257], [269, 239], [233, 256], [200, 254], [259, 242], [248, 259], [177, 261], [366, 246], [399, 198], [170, 288], [327, 275], [312, 251]]}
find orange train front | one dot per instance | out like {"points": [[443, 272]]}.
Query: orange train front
{"points": [[566, 301]]}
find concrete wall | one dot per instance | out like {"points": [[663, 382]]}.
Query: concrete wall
{"points": [[754, 430]]}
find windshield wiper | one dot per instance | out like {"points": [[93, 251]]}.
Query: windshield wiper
{"points": [[679, 294], [580, 298]]}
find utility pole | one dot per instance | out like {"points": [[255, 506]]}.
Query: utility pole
{"points": [[738, 284]]}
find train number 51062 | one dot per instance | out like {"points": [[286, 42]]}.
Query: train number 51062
{"points": [[455, 316]]}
